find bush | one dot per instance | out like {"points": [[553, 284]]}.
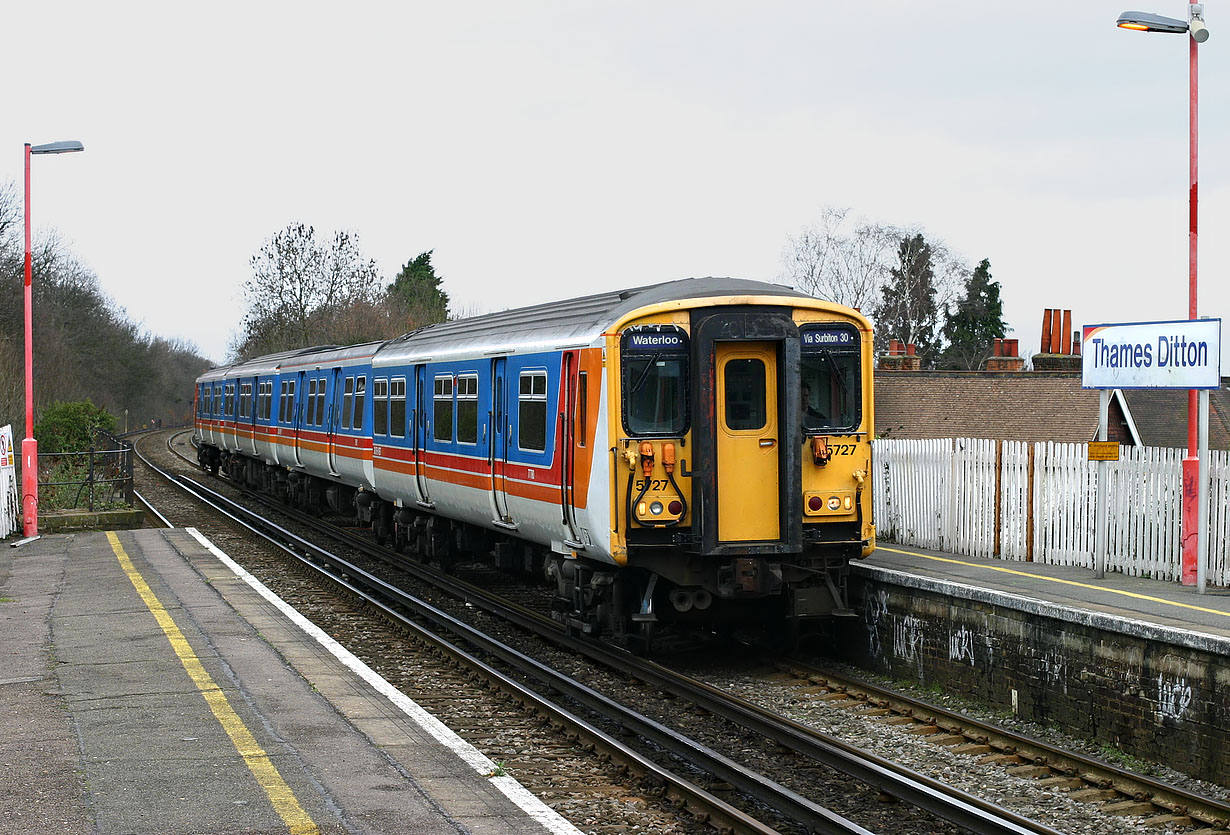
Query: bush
{"points": [[70, 427]]}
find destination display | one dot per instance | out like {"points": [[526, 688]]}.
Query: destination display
{"points": [[831, 338], [656, 341], [1184, 354]]}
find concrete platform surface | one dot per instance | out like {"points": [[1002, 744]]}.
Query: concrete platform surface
{"points": [[148, 685], [1154, 609]]}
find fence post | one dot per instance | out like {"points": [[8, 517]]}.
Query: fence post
{"points": [[89, 482], [1029, 504], [128, 483]]}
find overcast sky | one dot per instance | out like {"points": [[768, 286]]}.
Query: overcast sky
{"points": [[550, 149]]}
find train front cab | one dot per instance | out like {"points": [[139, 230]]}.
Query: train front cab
{"points": [[736, 498]]}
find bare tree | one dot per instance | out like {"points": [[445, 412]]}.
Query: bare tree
{"points": [[843, 261], [300, 289]]}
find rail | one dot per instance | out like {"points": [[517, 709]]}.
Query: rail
{"points": [[972, 813]]}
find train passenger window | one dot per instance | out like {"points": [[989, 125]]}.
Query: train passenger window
{"points": [[532, 411], [831, 378], [467, 408], [217, 409], [380, 406], [745, 394], [290, 401], [228, 406], [245, 400], [397, 407], [320, 403], [360, 390], [347, 402], [310, 409], [655, 381], [442, 410]]}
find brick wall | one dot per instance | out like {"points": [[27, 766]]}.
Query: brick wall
{"points": [[1152, 693]]}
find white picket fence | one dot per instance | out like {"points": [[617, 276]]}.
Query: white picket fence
{"points": [[1024, 501], [10, 497]]}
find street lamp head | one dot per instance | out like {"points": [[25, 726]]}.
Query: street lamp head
{"points": [[1149, 22], [63, 147]]}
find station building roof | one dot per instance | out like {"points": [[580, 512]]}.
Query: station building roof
{"points": [[1006, 405]]}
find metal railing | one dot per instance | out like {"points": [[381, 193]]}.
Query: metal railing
{"points": [[92, 479]]}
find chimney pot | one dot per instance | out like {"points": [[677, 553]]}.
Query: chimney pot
{"points": [[1067, 332], [909, 349], [997, 348], [1056, 331], [1046, 331], [1010, 348]]}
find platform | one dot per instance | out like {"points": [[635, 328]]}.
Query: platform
{"points": [[1136, 606], [147, 687]]}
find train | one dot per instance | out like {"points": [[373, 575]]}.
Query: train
{"points": [[692, 453]]}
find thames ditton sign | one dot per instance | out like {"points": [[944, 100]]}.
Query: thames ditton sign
{"points": [[1185, 354]]}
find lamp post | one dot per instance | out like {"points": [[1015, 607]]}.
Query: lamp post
{"points": [[1194, 26], [29, 446]]}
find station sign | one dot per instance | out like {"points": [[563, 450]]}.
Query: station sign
{"points": [[1103, 450], [1183, 354]]}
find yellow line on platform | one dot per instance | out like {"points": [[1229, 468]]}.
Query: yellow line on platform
{"points": [[258, 762], [1058, 580]]}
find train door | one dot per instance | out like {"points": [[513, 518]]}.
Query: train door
{"points": [[332, 419], [298, 410], [422, 404], [253, 399], [567, 435], [748, 441], [497, 455]]}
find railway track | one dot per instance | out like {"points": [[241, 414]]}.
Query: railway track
{"points": [[1117, 790], [800, 749]]}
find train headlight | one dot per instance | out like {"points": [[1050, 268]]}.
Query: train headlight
{"points": [[834, 503], [656, 508]]}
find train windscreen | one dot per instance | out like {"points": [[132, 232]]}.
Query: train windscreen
{"points": [[655, 377], [831, 378]]}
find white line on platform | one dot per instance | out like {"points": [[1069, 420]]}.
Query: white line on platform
{"points": [[445, 735]]}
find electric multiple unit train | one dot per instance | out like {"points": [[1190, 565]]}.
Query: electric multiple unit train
{"points": [[693, 452]]}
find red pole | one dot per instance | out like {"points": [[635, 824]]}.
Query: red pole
{"points": [[1191, 464], [29, 446]]}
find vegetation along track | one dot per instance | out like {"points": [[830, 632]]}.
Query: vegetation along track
{"points": [[789, 757]]}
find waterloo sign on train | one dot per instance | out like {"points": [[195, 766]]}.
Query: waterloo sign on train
{"points": [[1184, 354]]}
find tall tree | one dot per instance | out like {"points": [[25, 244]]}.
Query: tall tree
{"points": [[301, 290], [908, 310], [974, 324], [415, 296]]}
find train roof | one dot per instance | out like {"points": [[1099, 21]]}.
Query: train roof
{"points": [[267, 364], [571, 322]]}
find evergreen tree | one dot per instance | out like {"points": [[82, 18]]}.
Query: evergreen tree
{"points": [[976, 322], [416, 295], [907, 309]]}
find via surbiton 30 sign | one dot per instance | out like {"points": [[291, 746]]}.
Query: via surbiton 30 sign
{"points": [[1184, 354]]}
